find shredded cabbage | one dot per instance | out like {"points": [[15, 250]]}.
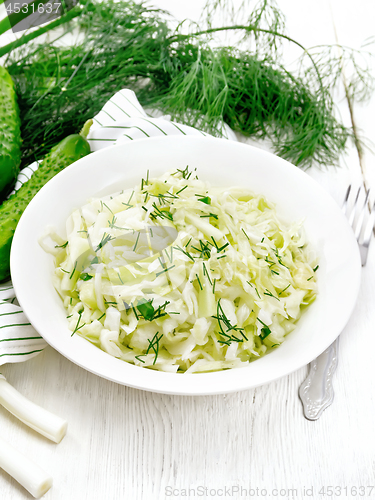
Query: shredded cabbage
{"points": [[180, 276]]}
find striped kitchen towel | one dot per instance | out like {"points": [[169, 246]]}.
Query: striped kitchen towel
{"points": [[122, 119]]}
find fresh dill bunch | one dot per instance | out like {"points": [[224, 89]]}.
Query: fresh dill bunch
{"points": [[60, 87], [131, 45], [255, 98]]}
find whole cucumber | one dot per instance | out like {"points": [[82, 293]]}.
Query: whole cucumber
{"points": [[10, 134], [66, 152]]}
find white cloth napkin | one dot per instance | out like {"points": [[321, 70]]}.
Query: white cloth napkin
{"points": [[122, 119]]}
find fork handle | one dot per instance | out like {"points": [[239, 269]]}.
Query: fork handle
{"points": [[316, 392]]}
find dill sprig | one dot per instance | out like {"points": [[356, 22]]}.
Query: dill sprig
{"points": [[284, 289], [186, 174], [199, 282], [85, 276], [64, 245], [205, 272], [154, 345], [188, 254], [163, 214], [204, 250], [214, 216], [105, 239], [148, 312], [204, 199], [223, 320], [78, 326], [270, 294], [112, 224], [165, 270], [265, 331], [127, 44]]}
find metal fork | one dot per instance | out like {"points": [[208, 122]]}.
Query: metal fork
{"points": [[316, 392]]}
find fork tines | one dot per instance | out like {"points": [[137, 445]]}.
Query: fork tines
{"points": [[361, 216]]}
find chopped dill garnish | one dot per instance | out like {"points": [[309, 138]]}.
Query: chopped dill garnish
{"points": [[144, 182], [105, 239], [282, 291], [204, 199], [210, 215], [213, 287], [222, 319], [154, 345], [64, 271], [136, 241], [267, 292], [170, 257], [188, 254], [85, 276], [270, 262], [111, 224], [242, 229], [275, 272], [62, 246], [106, 206], [185, 173], [163, 214], [128, 203], [187, 244], [102, 316], [204, 250], [219, 249], [279, 258], [78, 326], [262, 239], [205, 272], [180, 191], [134, 311], [165, 270], [316, 268], [138, 357], [74, 270], [148, 312], [311, 277], [265, 331]]}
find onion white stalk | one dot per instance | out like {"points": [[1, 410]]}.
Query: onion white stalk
{"points": [[39, 419], [24, 471]]}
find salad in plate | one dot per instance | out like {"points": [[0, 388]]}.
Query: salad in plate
{"points": [[181, 276]]}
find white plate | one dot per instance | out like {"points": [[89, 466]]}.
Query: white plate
{"points": [[223, 163]]}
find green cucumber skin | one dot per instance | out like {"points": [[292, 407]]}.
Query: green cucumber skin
{"points": [[69, 150], [10, 134]]}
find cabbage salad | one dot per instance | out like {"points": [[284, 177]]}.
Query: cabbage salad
{"points": [[179, 276]]}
